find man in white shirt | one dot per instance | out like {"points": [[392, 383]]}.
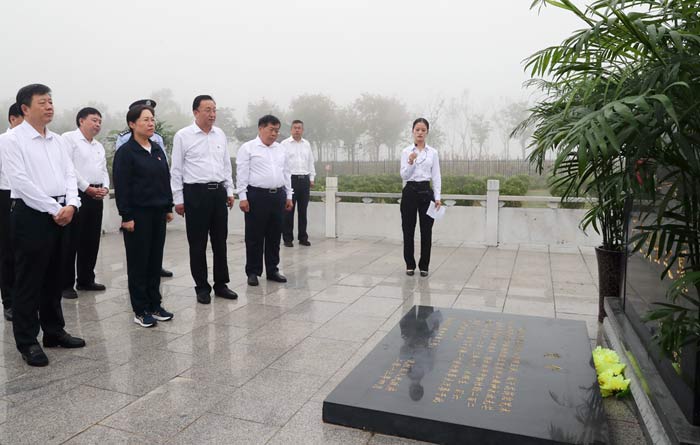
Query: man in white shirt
{"points": [[45, 193], [83, 240], [200, 177], [7, 255], [264, 185], [301, 164]]}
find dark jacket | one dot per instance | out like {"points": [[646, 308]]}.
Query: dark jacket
{"points": [[141, 180]]}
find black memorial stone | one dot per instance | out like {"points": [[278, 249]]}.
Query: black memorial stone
{"points": [[457, 377]]}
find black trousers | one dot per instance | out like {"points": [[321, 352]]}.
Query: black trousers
{"points": [[83, 242], [415, 199], [38, 242], [7, 256], [263, 230], [206, 216], [144, 258], [302, 188]]}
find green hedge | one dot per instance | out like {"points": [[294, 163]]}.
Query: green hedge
{"points": [[451, 185]]}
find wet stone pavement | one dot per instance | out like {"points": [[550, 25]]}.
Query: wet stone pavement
{"points": [[256, 370]]}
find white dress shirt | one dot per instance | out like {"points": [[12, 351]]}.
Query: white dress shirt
{"points": [[300, 157], [40, 168], [261, 166], [425, 167], [199, 158], [4, 180], [88, 159]]}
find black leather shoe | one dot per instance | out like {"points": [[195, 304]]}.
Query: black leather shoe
{"points": [[423, 273], [64, 340], [165, 273], [305, 243], [410, 272], [252, 280], [203, 297], [69, 294], [288, 244], [225, 292], [278, 277], [7, 313], [91, 287], [34, 356]]}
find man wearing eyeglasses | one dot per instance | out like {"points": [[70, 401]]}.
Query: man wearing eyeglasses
{"points": [[200, 178], [264, 184]]}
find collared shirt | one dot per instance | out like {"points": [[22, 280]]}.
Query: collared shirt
{"points": [[261, 166], [199, 158], [300, 157], [88, 158], [4, 180], [126, 135], [425, 167], [39, 168]]}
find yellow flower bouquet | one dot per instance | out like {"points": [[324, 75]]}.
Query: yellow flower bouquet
{"points": [[610, 373]]}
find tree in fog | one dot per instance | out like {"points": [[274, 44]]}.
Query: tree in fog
{"points": [[385, 119], [255, 111], [518, 113], [480, 129], [435, 114], [317, 111], [169, 111], [349, 129], [226, 120], [459, 111]]}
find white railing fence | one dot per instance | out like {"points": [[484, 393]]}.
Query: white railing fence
{"points": [[477, 219]]}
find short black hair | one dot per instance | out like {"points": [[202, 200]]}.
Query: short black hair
{"points": [[25, 94], [298, 121], [85, 112], [268, 119], [421, 120], [199, 99], [14, 110], [135, 112]]}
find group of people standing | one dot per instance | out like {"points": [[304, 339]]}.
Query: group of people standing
{"points": [[51, 202]]}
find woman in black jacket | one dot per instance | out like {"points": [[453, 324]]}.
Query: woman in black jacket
{"points": [[145, 202]]}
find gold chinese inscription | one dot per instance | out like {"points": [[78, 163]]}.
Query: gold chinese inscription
{"points": [[484, 372]]}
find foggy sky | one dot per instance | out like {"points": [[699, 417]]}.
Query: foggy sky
{"points": [[116, 51]]}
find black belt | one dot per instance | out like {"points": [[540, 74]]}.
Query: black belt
{"points": [[270, 190], [97, 186], [300, 176], [60, 199], [208, 185], [423, 183]]}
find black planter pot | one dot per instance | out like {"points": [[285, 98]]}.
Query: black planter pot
{"points": [[611, 264]]}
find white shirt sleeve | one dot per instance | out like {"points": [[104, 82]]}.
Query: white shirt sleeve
{"points": [[72, 148], [312, 167], [437, 178], [22, 186], [406, 168], [71, 182], [228, 171], [242, 172], [178, 157], [105, 173], [287, 173]]}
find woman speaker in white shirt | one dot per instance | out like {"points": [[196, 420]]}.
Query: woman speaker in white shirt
{"points": [[419, 166]]}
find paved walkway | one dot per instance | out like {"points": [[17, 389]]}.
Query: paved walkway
{"points": [[257, 370]]}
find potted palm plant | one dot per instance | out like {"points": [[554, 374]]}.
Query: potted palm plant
{"points": [[621, 112]]}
